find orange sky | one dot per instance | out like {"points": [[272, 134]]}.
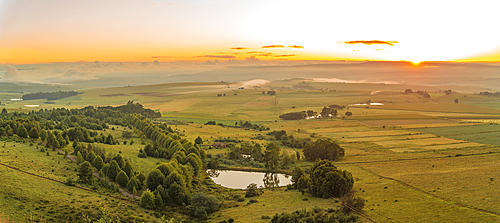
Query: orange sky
{"points": [[131, 30]]}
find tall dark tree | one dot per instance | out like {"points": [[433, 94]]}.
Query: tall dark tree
{"points": [[85, 172], [327, 181], [34, 133], [113, 170], [22, 132], [198, 141], [271, 157], [122, 179], [323, 149]]}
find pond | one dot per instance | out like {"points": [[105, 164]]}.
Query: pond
{"points": [[241, 179]]}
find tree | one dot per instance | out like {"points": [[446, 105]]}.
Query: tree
{"points": [[323, 149], [132, 183], [113, 170], [271, 156], [348, 114], [79, 158], [4, 111], [252, 190], [128, 168], [43, 135], [122, 178], [349, 202], [62, 141], [98, 163], [90, 156], [204, 204], [304, 183], [147, 199], [85, 172], [198, 141], [456, 101], [109, 140], [2, 131], [34, 133], [22, 132], [155, 178], [286, 161], [257, 152], [9, 131], [158, 201], [296, 175], [149, 150], [327, 181], [119, 160], [176, 193], [297, 154]]}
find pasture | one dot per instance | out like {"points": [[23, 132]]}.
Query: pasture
{"points": [[414, 159]]}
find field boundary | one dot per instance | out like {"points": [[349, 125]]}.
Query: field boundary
{"points": [[432, 195], [57, 181]]}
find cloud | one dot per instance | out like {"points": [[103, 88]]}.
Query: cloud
{"points": [[370, 42], [238, 48], [154, 57], [252, 59], [285, 55], [73, 71], [273, 46], [219, 56], [11, 74], [378, 49], [208, 62], [296, 47], [156, 62]]}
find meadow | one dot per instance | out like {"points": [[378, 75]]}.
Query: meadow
{"points": [[414, 159]]}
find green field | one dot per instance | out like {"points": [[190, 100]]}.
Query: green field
{"points": [[413, 159]]}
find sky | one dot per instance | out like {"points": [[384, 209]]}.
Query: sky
{"points": [[46, 31]]}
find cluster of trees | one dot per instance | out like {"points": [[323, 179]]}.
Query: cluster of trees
{"points": [[330, 111], [168, 183], [313, 217], [116, 168], [255, 156], [293, 115], [324, 180], [323, 149], [240, 124], [422, 93], [289, 140], [50, 95], [168, 145]]}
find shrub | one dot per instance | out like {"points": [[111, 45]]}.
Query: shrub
{"points": [[253, 191], [204, 204], [147, 199]]}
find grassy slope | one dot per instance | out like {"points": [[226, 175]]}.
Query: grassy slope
{"points": [[362, 135]]}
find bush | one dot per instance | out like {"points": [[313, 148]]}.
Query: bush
{"points": [[253, 191], [147, 199], [204, 204], [122, 178]]}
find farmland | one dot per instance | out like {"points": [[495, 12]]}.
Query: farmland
{"points": [[433, 158]]}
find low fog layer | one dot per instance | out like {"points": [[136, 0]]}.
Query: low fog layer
{"points": [[96, 74]]}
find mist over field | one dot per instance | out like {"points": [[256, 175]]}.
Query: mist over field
{"points": [[96, 74]]}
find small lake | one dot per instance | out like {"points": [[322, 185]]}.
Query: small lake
{"points": [[241, 179]]}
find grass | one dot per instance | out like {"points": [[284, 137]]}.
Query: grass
{"points": [[270, 202], [389, 164], [471, 181], [26, 195]]}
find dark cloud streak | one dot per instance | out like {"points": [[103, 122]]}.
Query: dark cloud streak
{"points": [[370, 42]]}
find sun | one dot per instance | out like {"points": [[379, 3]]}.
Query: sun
{"points": [[415, 62]]}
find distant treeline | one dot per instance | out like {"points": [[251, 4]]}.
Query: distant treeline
{"points": [[50, 95]]}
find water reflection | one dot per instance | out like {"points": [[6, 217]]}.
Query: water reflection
{"points": [[241, 179], [213, 173], [271, 180]]}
